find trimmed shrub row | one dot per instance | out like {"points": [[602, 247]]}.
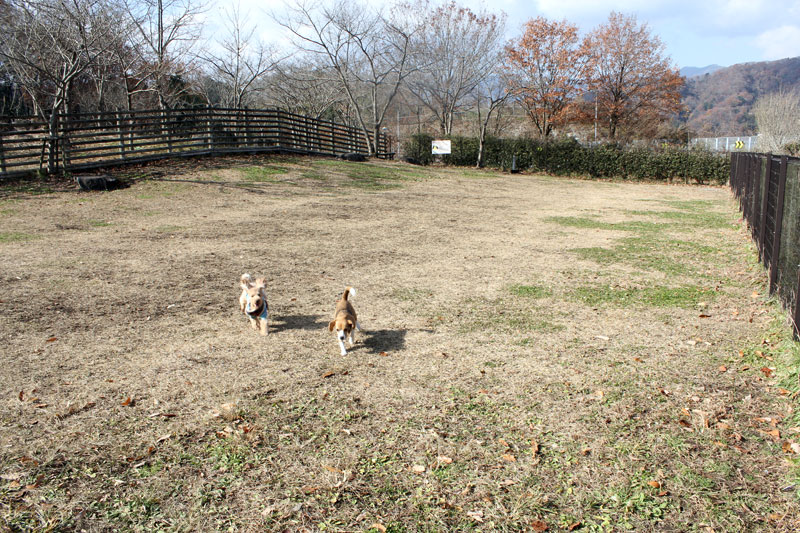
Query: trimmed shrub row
{"points": [[568, 157]]}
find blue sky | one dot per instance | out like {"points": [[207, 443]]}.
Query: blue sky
{"points": [[695, 33]]}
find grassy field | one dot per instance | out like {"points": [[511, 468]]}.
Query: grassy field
{"points": [[538, 354]]}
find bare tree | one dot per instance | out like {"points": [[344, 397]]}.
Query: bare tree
{"points": [[307, 88], [453, 54], [241, 62], [367, 49], [489, 96], [166, 33], [777, 120], [48, 44]]}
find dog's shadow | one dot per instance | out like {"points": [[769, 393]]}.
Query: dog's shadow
{"points": [[384, 340], [288, 322]]}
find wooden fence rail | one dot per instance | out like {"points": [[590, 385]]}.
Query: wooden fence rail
{"points": [[768, 190], [92, 140]]}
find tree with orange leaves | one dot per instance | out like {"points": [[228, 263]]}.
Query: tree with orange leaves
{"points": [[545, 69], [633, 82]]}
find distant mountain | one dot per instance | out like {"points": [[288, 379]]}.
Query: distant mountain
{"points": [[691, 72], [720, 103]]}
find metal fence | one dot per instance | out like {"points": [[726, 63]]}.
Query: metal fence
{"points": [[725, 144], [768, 190], [91, 140]]}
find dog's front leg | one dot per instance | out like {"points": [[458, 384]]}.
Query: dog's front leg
{"points": [[341, 346]]}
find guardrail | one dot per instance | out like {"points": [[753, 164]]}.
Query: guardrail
{"points": [[91, 140]]}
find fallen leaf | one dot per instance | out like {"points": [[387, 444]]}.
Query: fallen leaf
{"points": [[601, 337], [704, 316], [21, 396], [328, 374], [767, 371], [723, 368], [129, 402], [654, 484], [573, 526], [638, 359], [418, 469], [503, 442], [784, 392], [509, 458], [663, 493], [755, 294], [684, 423], [384, 354], [723, 426], [309, 489], [539, 526], [600, 394], [534, 448], [795, 448], [52, 339], [774, 433], [444, 460], [332, 469], [586, 451], [476, 515], [379, 527]]}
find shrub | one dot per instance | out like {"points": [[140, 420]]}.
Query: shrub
{"points": [[566, 157]]}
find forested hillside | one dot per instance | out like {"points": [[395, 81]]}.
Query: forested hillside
{"points": [[720, 103]]}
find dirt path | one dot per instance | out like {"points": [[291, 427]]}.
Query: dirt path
{"points": [[536, 351]]}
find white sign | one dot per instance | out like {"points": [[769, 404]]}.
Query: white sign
{"points": [[440, 147]]}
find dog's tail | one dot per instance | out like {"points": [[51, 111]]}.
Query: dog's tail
{"points": [[349, 291]]}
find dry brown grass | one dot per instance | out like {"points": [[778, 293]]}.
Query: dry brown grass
{"points": [[536, 351]]}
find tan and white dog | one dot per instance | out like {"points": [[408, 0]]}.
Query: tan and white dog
{"points": [[253, 302], [345, 320]]}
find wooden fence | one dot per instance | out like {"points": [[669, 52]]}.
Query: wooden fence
{"points": [[768, 189], [91, 140]]}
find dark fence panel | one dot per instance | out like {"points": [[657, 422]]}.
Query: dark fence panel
{"points": [[768, 190], [91, 140]]}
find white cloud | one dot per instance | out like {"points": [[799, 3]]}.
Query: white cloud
{"points": [[779, 43]]}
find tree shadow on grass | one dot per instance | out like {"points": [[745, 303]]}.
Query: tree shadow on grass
{"points": [[384, 340]]}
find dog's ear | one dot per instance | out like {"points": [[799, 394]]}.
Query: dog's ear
{"points": [[350, 323], [261, 282], [330, 326], [247, 281]]}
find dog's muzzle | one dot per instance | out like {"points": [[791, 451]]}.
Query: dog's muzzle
{"points": [[259, 312]]}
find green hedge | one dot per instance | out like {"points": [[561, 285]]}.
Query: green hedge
{"points": [[568, 157]]}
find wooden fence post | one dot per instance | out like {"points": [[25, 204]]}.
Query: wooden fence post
{"points": [[776, 243], [764, 201], [121, 135], [209, 129], [2, 155]]}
